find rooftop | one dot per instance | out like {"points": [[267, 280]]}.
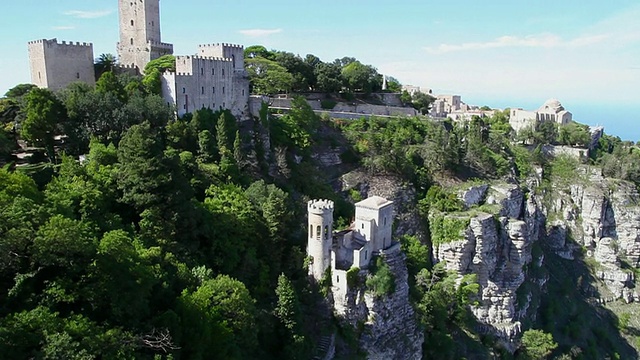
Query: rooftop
{"points": [[374, 202]]}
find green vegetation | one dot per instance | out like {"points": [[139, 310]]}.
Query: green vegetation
{"points": [[536, 345], [272, 72], [447, 228], [353, 277], [381, 280]]}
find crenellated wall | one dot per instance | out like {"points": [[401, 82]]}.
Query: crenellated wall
{"points": [[55, 65]]}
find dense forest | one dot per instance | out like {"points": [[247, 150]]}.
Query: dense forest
{"points": [[129, 233]]}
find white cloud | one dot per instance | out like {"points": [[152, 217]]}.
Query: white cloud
{"points": [[63, 27], [259, 32], [531, 41], [81, 14]]}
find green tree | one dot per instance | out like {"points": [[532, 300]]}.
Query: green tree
{"points": [[44, 113], [222, 317], [268, 77], [328, 77], [422, 102], [537, 345], [105, 63], [109, 84], [359, 77]]}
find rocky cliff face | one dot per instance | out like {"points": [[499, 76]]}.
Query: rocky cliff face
{"points": [[386, 325], [496, 247], [591, 214], [603, 216]]}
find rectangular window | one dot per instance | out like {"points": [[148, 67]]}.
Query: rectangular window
{"points": [[222, 72], [223, 89], [184, 90], [202, 91], [213, 71], [214, 89]]}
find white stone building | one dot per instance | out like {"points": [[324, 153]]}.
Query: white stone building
{"points": [[551, 110], [369, 234], [55, 65], [215, 78], [140, 40], [445, 104]]}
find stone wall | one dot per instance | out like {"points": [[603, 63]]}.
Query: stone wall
{"points": [[340, 111], [206, 82], [55, 65]]}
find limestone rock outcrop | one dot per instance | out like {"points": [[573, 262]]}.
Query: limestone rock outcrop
{"points": [[497, 248], [387, 326]]}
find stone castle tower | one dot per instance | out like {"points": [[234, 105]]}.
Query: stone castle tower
{"points": [[140, 40], [55, 65], [320, 236]]}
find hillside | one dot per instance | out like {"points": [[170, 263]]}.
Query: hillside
{"points": [[185, 238]]}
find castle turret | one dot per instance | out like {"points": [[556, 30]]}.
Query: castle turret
{"points": [[320, 236], [140, 40]]}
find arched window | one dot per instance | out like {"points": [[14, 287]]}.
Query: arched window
{"points": [[131, 22], [318, 230], [131, 41]]}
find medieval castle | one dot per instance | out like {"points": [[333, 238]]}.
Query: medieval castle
{"points": [[352, 248], [213, 78]]}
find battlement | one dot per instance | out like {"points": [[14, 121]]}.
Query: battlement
{"points": [[320, 206], [159, 44], [198, 57], [233, 46], [54, 42]]}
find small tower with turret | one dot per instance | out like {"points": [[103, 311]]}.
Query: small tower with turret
{"points": [[320, 236]]}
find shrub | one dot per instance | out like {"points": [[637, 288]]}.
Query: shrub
{"points": [[381, 281], [353, 279], [445, 229], [328, 104]]}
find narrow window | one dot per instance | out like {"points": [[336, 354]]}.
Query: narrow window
{"points": [[242, 92], [233, 57], [363, 225], [214, 89], [77, 75], [213, 72], [222, 72], [326, 232], [224, 105], [184, 90], [223, 89], [39, 76], [131, 22], [202, 94], [310, 231], [201, 71], [385, 221], [337, 278], [131, 41], [366, 252], [318, 230]]}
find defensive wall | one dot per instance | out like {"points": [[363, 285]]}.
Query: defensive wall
{"points": [[55, 65]]}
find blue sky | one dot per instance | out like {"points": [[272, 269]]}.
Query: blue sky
{"points": [[500, 53]]}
